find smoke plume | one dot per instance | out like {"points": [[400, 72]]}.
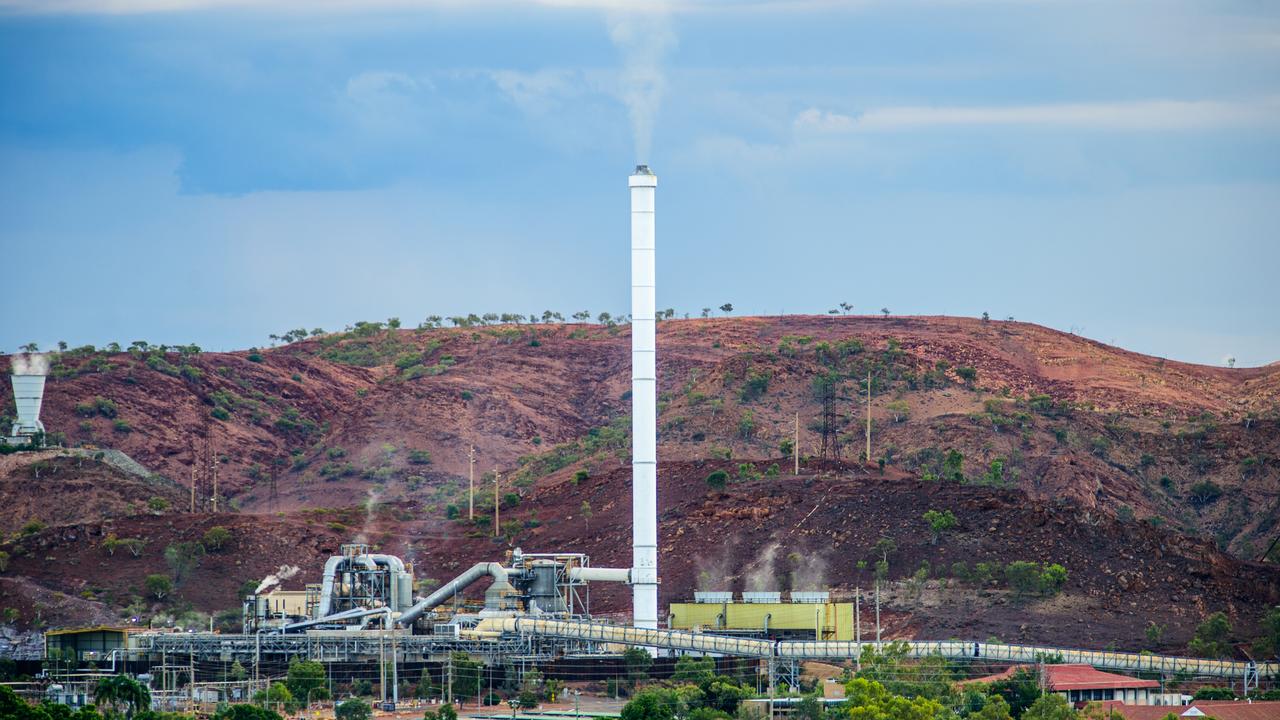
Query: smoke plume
{"points": [[643, 35], [761, 576], [284, 573], [808, 572], [30, 364]]}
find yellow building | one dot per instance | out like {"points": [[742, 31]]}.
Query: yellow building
{"points": [[87, 644], [808, 616]]}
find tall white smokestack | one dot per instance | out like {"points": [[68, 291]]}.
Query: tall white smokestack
{"points": [[28, 393], [644, 403]]}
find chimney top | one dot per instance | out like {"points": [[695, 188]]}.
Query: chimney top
{"points": [[642, 170]]}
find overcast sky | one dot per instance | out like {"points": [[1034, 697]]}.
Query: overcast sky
{"points": [[213, 172]]}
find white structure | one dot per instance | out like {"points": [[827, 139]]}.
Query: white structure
{"points": [[644, 403], [28, 394]]}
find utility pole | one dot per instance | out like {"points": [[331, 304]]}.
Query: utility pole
{"points": [[795, 446], [448, 691], [382, 664], [471, 483], [194, 463], [213, 460], [877, 615], [497, 479], [868, 416], [395, 670], [857, 624]]}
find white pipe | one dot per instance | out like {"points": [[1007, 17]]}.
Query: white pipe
{"points": [[644, 402], [455, 586], [598, 574]]}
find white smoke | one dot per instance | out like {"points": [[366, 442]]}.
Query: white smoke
{"points": [[284, 573], [761, 575], [643, 35], [30, 364]]}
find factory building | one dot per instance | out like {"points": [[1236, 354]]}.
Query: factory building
{"points": [[92, 644], [805, 616]]}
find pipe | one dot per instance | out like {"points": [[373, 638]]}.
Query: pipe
{"points": [[597, 574], [344, 615], [326, 589], [644, 402], [477, 571]]}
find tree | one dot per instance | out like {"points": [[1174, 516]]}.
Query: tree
{"points": [[726, 308], [158, 585], [447, 712], [884, 311], [654, 704], [696, 670], [1023, 576], [638, 662], [183, 559], [1268, 644], [995, 708], [1052, 579], [467, 678], [585, 510], [846, 307], [119, 691], [869, 700], [899, 409], [706, 312], [717, 479], [939, 522], [30, 348], [216, 538], [1210, 640], [986, 317], [1049, 707], [306, 681], [353, 710], [238, 671], [276, 695]]}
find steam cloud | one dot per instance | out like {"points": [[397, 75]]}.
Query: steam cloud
{"points": [[762, 577], [30, 364], [643, 37], [808, 573], [284, 573]]}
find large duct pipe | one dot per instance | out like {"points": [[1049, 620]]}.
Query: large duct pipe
{"points": [[501, 586], [597, 574], [28, 393], [644, 402]]}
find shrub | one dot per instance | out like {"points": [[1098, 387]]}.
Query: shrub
{"points": [[121, 425], [220, 414], [158, 585], [939, 522], [756, 385], [106, 408], [1052, 579], [967, 373], [717, 479], [580, 475], [1023, 576], [216, 538], [157, 504], [254, 357], [1210, 640], [1204, 492], [419, 457]]}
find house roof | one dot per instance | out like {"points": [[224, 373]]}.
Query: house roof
{"points": [[1060, 678], [1218, 709]]}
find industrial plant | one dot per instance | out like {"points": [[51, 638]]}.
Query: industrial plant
{"points": [[529, 608]]}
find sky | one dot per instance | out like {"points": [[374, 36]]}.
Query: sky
{"points": [[213, 172]]}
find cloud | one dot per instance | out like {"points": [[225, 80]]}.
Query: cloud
{"points": [[1126, 116]]}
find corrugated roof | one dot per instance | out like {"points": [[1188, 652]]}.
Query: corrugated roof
{"points": [[1060, 678], [95, 628]]}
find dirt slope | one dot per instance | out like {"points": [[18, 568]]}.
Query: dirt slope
{"points": [[1134, 472]]}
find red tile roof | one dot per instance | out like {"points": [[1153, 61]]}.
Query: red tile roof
{"points": [[1218, 709], [1060, 678]]}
